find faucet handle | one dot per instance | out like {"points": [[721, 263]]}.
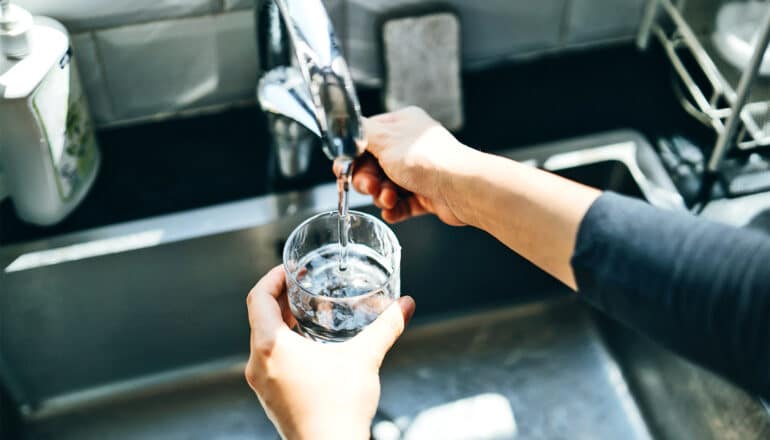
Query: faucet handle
{"points": [[283, 94], [283, 91]]}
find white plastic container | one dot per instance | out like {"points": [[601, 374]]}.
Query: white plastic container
{"points": [[48, 151]]}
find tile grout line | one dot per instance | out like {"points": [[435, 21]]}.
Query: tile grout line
{"points": [[103, 74], [212, 13]]}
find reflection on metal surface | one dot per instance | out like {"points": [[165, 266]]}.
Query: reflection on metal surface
{"points": [[283, 92], [627, 153], [543, 360], [294, 145], [486, 416], [529, 371], [88, 249], [172, 228], [740, 211], [624, 396], [136, 388]]}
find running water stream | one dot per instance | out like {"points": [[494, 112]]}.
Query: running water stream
{"points": [[343, 188]]}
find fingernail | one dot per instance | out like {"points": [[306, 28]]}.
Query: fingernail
{"points": [[407, 305]]}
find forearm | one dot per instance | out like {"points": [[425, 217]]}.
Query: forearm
{"points": [[535, 213], [700, 288]]}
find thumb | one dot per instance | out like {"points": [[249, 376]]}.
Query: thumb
{"points": [[380, 335]]}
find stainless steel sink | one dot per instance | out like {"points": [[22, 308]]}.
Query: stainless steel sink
{"points": [[752, 211], [139, 330]]}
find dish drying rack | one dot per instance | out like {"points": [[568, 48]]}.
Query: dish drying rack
{"points": [[734, 102]]}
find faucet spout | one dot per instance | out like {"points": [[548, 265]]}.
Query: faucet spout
{"points": [[306, 78]]}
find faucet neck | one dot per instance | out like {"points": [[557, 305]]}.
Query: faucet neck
{"points": [[298, 35], [273, 45]]}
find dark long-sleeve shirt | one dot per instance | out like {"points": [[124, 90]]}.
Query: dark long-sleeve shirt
{"points": [[698, 287]]}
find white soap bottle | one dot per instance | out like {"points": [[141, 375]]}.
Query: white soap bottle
{"points": [[48, 151]]}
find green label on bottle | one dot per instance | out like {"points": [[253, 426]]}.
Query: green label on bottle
{"points": [[62, 109]]}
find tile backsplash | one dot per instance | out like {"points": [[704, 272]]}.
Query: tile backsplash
{"points": [[80, 15], [145, 59]]}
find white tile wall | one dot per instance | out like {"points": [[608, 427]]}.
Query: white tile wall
{"points": [[598, 20], [163, 66], [491, 29], [143, 58], [79, 15], [177, 65], [92, 75], [236, 57], [231, 5]]}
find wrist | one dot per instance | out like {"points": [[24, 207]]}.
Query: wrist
{"points": [[457, 181], [331, 428]]}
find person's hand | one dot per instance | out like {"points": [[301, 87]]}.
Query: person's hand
{"points": [[409, 165], [313, 390]]}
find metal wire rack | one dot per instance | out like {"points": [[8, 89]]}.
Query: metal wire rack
{"points": [[734, 102]]}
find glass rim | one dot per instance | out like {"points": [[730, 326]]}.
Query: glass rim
{"points": [[388, 231]]}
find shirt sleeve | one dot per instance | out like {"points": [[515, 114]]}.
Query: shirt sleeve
{"points": [[697, 287]]}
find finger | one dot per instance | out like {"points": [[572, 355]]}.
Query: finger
{"points": [[405, 208], [273, 283], [416, 206], [377, 203], [366, 175], [392, 216], [288, 317], [283, 299], [398, 213], [266, 316], [388, 196], [381, 334]]}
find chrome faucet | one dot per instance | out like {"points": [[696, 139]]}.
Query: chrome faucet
{"points": [[306, 88]]}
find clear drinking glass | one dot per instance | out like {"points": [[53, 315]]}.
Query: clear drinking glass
{"points": [[330, 304]]}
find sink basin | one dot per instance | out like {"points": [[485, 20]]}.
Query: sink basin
{"points": [[138, 330], [545, 360]]}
